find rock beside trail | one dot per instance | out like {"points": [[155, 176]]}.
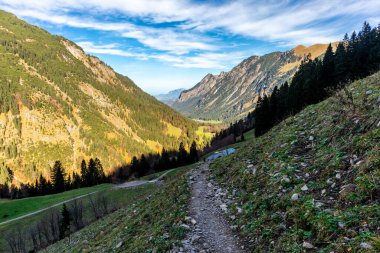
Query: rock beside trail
{"points": [[346, 189], [307, 245], [295, 197], [119, 245], [365, 245]]}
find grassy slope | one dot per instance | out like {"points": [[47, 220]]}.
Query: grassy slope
{"points": [[148, 225], [14, 208], [119, 198], [345, 150]]}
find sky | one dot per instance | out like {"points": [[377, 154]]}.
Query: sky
{"points": [[169, 44]]}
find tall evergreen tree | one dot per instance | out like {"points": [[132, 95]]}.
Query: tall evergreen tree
{"points": [[58, 177], [182, 155], [164, 161], [134, 166], [328, 67], [341, 67], [273, 106], [84, 173], [193, 153], [144, 166], [283, 101], [93, 172], [64, 226], [101, 175]]}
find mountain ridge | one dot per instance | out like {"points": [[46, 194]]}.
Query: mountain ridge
{"points": [[169, 97], [252, 77], [59, 103]]}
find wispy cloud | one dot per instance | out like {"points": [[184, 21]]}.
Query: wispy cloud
{"points": [[291, 21], [199, 34], [202, 60], [111, 49]]}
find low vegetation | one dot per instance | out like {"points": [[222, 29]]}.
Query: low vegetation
{"points": [[150, 225], [21, 234], [19, 207], [312, 182]]}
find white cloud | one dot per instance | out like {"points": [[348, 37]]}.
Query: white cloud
{"points": [[269, 20], [111, 49], [164, 39], [187, 42], [202, 60], [188, 34]]}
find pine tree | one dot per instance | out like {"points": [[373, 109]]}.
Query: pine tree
{"points": [[93, 172], [84, 173], [77, 181], [182, 155], [328, 67], [58, 177], [64, 226], [42, 186], [144, 166], [194, 153], [101, 175], [341, 67], [164, 161], [273, 106], [134, 166], [283, 101], [263, 119]]}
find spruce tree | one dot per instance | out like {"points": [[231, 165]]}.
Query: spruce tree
{"points": [[134, 166], [341, 67], [193, 153], [58, 177], [93, 173], [84, 173], [328, 67], [101, 175], [144, 166], [182, 155], [164, 161], [64, 226]]}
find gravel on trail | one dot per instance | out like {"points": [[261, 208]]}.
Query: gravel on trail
{"points": [[209, 231]]}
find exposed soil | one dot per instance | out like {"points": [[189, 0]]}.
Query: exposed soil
{"points": [[210, 230]]}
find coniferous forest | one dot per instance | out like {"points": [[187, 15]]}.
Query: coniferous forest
{"points": [[93, 173], [355, 57]]}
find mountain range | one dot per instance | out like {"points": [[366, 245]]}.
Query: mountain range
{"points": [[170, 97], [58, 103], [230, 95]]}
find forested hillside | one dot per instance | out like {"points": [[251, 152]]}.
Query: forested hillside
{"points": [[57, 103], [356, 57]]}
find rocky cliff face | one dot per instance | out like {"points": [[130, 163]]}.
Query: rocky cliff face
{"points": [[57, 103], [234, 93]]}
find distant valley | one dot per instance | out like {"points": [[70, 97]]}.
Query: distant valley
{"points": [[170, 97]]}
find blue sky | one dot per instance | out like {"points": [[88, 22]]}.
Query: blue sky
{"points": [[170, 44]]}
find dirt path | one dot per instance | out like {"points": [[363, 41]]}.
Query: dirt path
{"points": [[140, 182], [211, 232]]}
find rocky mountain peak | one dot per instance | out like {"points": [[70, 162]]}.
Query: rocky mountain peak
{"points": [[231, 94]]}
